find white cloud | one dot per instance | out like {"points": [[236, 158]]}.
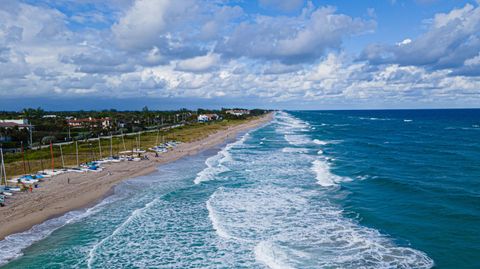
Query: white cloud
{"points": [[304, 38], [450, 40], [473, 61], [198, 64], [404, 42], [142, 24]]}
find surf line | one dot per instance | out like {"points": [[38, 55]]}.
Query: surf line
{"points": [[215, 164]]}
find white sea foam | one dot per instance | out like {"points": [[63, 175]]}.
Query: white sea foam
{"points": [[373, 118], [135, 214], [291, 228], [323, 175], [407, 120], [216, 163], [13, 245], [216, 222], [320, 142], [214, 167], [294, 150], [297, 139], [268, 254], [320, 152], [288, 123]]}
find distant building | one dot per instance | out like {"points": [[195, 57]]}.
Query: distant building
{"points": [[121, 124], [21, 124], [238, 112], [90, 122], [49, 116], [207, 117]]}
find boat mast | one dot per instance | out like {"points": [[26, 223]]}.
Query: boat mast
{"points": [[2, 169], [23, 158], [111, 142], [100, 146], [61, 154], [123, 142], [1, 166], [51, 153]]}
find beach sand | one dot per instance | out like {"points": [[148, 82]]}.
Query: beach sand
{"points": [[63, 193]]}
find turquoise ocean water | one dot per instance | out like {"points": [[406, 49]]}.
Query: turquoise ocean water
{"points": [[312, 189]]}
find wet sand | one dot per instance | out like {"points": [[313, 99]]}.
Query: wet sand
{"points": [[66, 192]]}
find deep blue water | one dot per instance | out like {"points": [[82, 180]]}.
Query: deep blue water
{"points": [[416, 176], [312, 189]]}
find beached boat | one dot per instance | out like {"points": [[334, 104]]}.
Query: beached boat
{"points": [[51, 172], [11, 189], [75, 170], [159, 149]]}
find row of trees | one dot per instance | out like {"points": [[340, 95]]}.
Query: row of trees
{"points": [[55, 128]]}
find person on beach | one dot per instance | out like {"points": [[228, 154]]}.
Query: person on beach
{"points": [[68, 180]]}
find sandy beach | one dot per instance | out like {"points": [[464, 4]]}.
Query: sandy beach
{"points": [[63, 193]]}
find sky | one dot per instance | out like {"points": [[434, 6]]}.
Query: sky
{"points": [[279, 54]]}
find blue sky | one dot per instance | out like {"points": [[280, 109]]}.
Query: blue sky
{"points": [[293, 54]]}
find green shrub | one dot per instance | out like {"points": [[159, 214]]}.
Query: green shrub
{"points": [[49, 139]]}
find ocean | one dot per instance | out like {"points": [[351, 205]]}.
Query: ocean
{"points": [[311, 189]]}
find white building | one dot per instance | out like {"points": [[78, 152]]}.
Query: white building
{"points": [[90, 123], [238, 112], [20, 124], [207, 117], [52, 116], [21, 121]]}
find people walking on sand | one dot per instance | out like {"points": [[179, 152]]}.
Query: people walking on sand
{"points": [[68, 180]]}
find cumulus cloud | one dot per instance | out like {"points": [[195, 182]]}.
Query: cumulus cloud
{"points": [[292, 39], [199, 63], [450, 40], [144, 23]]}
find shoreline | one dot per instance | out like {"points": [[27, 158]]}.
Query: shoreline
{"points": [[56, 196]]}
